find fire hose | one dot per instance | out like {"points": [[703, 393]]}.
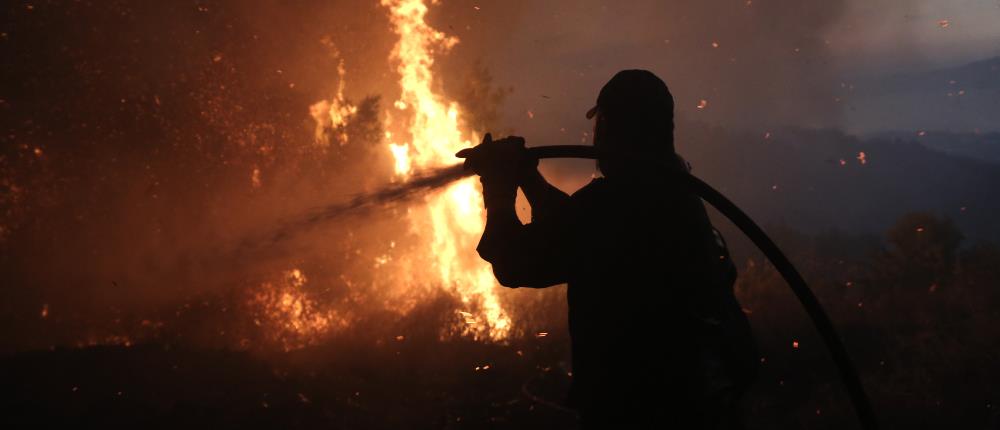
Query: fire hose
{"points": [[848, 372]]}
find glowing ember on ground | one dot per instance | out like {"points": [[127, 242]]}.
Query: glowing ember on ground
{"points": [[106, 340]]}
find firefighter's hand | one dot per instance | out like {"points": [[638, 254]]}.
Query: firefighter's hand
{"points": [[500, 163], [496, 159]]}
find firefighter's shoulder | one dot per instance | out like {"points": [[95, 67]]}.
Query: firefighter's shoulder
{"points": [[595, 189]]}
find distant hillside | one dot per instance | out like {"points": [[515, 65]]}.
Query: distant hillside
{"points": [[980, 146], [964, 98], [815, 180]]}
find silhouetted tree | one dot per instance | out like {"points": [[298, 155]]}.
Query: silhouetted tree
{"points": [[480, 98], [979, 273], [923, 249]]}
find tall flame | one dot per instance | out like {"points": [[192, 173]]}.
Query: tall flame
{"points": [[333, 114], [452, 220]]}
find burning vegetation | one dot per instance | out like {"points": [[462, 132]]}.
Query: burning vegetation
{"points": [[423, 130], [261, 173]]}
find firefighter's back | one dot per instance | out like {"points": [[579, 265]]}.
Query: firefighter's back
{"points": [[646, 252]]}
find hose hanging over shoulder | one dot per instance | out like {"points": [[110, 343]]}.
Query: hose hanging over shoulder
{"points": [[848, 372]]}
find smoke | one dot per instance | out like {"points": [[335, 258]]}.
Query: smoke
{"points": [[879, 35], [143, 141], [756, 63]]}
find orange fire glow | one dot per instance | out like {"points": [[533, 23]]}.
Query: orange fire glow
{"points": [[333, 114], [431, 133], [292, 318], [423, 130]]}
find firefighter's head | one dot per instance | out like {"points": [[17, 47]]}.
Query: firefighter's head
{"points": [[634, 122]]}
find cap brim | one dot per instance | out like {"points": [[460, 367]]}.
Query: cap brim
{"points": [[592, 112]]}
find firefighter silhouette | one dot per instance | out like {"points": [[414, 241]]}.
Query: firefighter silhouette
{"points": [[658, 337]]}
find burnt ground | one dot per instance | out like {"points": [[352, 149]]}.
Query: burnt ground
{"points": [[388, 386], [402, 384]]}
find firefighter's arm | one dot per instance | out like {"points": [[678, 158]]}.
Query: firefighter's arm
{"points": [[524, 255], [521, 255], [544, 198]]}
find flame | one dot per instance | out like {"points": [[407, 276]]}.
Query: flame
{"points": [[423, 130], [295, 318], [451, 222], [333, 114]]}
